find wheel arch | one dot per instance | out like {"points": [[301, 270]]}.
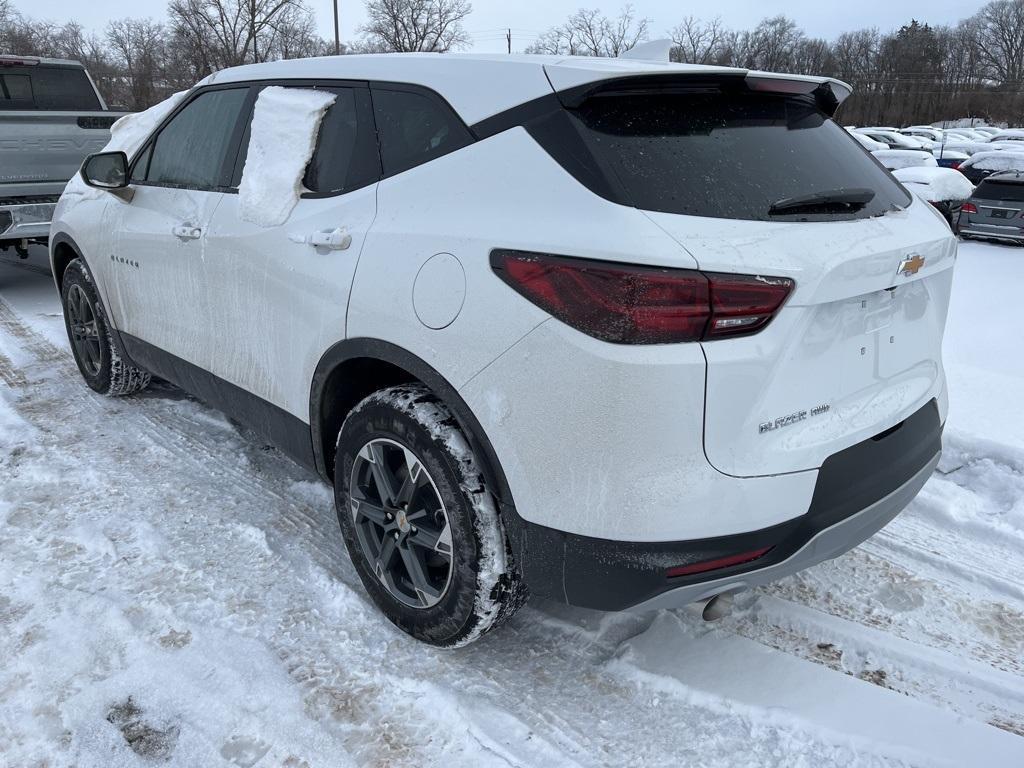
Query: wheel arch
{"points": [[64, 250], [355, 368]]}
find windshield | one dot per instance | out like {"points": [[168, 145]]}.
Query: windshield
{"points": [[729, 155]]}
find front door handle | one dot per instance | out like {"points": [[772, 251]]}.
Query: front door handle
{"points": [[187, 232], [332, 239]]}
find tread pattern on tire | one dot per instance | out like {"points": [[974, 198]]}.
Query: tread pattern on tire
{"points": [[125, 379], [501, 591]]}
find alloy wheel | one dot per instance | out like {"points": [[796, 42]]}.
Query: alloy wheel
{"points": [[401, 523], [85, 334]]}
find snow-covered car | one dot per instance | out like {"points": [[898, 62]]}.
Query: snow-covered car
{"points": [[944, 188], [933, 135], [980, 165], [947, 157], [534, 318], [867, 142], [996, 209], [905, 158], [894, 139]]}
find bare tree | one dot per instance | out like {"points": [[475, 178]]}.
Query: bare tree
{"points": [[137, 47], [415, 25], [591, 33], [999, 35], [697, 42], [226, 33]]}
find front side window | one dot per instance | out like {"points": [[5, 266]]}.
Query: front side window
{"points": [[415, 128], [192, 149]]}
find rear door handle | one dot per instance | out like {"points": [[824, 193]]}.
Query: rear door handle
{"points": [[187, 232]]}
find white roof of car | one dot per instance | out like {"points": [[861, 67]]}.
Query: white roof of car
{"points": [[481, 85], [904, 158]]}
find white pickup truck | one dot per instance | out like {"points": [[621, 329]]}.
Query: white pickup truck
{"points": [[51, 117]]}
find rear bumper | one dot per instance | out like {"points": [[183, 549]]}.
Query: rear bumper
{"points": [[30, 219], [858, 491]]}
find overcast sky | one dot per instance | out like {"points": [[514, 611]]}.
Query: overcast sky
{"points": [[825, 18]]}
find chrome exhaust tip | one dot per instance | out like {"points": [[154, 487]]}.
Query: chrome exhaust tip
{"points": [[712, 608]]}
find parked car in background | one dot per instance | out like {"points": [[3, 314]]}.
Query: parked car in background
{"points": [[892, 139], [925, 132], [517, 277], [944, 188], [1009, 134], [949, 158], [867, 142], [905, 158], [51, 118], [994, 210], [981, 165], [986, 130]]}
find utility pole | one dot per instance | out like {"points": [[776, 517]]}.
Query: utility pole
{"points": [[252, 31], [337, 40], [508, 37]]}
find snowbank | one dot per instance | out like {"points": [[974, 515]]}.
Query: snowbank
{"points": [[936, 184], [285, 125], [904, 158]]}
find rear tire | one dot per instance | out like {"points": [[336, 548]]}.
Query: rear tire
{"points": [[89, 333], [420, 524]]}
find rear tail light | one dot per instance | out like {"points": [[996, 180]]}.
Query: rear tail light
{"points": [[627, 304], [955, 166], [714, 565], [968, 208]]}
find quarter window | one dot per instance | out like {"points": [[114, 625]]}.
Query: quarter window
{"points": [[192, 149], [414, 128]]}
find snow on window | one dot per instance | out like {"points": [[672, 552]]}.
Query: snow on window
{"points": [[285, 124], [131, 131]]}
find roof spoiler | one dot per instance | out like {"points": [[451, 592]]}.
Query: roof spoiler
{"points": [[827, 92]]}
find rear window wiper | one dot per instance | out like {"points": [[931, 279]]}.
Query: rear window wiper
{"points": [[829, 201]]}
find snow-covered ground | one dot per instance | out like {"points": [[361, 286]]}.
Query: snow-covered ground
{"points": [[173, 590]]}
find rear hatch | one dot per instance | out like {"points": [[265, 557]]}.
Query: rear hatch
{"points": [[998, 207], [757, 179]]}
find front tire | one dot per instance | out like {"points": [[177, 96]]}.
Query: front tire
{"points": [[89, 333], [420, 524]]}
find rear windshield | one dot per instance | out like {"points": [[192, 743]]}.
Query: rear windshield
{"points": [[728, 155], [1000, 190], [46, 87]]}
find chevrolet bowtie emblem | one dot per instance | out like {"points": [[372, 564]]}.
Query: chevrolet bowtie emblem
{"points": [[911, 265]]}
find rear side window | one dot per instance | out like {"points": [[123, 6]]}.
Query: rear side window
{"points": [[47, 88], [192, 149], [346, 155], [727, 155], [415, 128], [1000, 190]]}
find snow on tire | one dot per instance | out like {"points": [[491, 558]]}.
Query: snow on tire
{"points": [[94, 351], [403, 461]]}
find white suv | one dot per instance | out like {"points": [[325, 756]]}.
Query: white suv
{"points": [[623, 334]]}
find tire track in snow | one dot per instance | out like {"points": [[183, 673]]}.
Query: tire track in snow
{"points": [[327, 635]]}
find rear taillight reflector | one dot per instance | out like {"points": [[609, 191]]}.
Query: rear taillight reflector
{"points": [[627, 304], [968, 208], [714, 565]]}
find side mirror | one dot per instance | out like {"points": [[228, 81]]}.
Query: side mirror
{"points": [[106, 170]]}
